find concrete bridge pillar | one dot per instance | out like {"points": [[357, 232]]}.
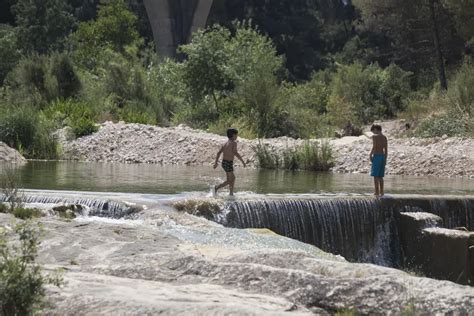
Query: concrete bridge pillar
{"points": [[174, 21]]}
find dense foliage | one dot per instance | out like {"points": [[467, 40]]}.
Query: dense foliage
{"points": [[300, 68]]}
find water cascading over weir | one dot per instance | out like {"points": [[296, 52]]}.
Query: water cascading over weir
{"points": [[360, 229], [92, 206]]}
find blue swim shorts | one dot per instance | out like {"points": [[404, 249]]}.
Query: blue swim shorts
{"points": [[378, 166]]}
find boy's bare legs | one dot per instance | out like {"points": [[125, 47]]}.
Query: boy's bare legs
{"points": [[376, 185], [231, 180], [381, 186], [223, 184]]}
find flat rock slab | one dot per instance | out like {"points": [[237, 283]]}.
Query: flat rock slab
{"points": [[177, 264], [107, 295]]}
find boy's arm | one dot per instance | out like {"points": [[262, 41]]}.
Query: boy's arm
{"points": [[217, 157], [385, 149], [236, 153], [372, 150]]}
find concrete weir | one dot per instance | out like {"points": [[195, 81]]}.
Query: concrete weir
{"points": [[431, 235], [173, 22], [410, 232]]}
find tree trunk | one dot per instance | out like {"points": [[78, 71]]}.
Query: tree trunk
{"points": [[215, 101], [442, 71]]}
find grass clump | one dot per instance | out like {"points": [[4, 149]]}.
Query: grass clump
{"points": [[22, 283], [27, 213], [346, 312], [266, 158], [309, 156]]}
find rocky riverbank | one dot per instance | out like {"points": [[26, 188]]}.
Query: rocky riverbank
{"points": [[178, 264], [135, 143]]}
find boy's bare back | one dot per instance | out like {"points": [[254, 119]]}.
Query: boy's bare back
{"points": [[379, 144], [229, 149]]}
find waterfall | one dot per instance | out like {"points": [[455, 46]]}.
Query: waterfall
{"points": [[360, 229], [96, 207]]}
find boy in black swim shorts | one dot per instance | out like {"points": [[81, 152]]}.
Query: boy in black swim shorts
{"points": [[229, 149]]}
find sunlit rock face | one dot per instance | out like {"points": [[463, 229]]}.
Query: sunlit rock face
{"points": [[10, 155], [173, 22]]}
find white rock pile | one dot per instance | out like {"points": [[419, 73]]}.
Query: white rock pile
{"points": [[136, 143]]}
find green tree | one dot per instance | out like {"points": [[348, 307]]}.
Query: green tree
{"points": [[254, 64], [307, 32], [463, 12], [421, 33], [205, 70], [115, 28], [42, 25], [9, 52], [242, 67], [67, 82]]}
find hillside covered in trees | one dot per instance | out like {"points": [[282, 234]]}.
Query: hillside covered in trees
{"points": [[300, 68]]}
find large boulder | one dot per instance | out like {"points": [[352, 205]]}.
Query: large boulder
{"points": [[8, 154]]}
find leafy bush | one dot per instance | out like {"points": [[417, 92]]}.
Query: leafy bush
{"points": [[39, 79], [200, 115], [3, 208], [312, 95], [125, 90], [30, 82], [22, 283], [27, 213], [447, 113], [367, 93], [80, 116], [461, 91], [83, 127], [138, 114], [445, 124]]}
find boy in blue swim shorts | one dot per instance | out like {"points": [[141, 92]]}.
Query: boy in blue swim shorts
{"points": [[378, 157], [229, 151]]}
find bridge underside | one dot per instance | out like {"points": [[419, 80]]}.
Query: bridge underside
{"points": [[173, 22]]}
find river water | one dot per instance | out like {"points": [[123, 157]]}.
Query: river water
{"points": [[158, 179]]}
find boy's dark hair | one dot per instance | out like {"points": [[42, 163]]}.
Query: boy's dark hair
{"points": [[376, 127], [231, 132]]}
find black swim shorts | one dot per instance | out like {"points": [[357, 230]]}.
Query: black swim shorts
{"points": [[228, 165]]}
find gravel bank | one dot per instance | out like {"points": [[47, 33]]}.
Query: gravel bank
{"points": [[136, 143]]}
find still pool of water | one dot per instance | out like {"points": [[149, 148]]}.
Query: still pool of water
{"points": [[157, 179]]}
